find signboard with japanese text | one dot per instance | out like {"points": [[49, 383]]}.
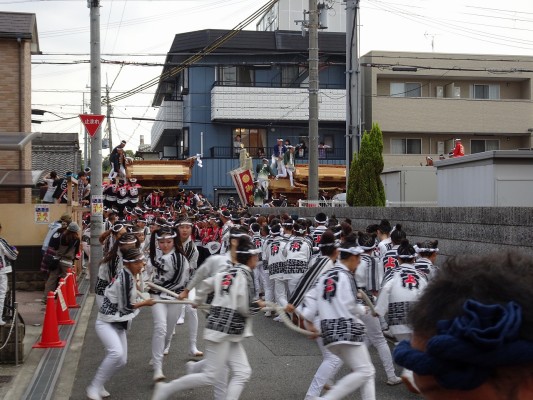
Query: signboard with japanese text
{"points": [[42, 214], [244, 183], [91, 122], [97, 205]]}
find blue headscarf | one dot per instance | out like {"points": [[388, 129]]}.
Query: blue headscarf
{"points": [[466, 350]]}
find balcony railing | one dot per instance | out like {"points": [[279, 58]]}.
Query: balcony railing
{"points": [[277, 84], [257, 152]]}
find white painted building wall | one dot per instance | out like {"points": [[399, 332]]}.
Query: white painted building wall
{"points": [[169, 116], [286, 104]]}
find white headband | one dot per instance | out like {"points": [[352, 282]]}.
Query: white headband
{"points": [[238, 235], [327, 245], [356, 251], [426, 249], [321, 222], [366, 248], [132, 261], [184, 223], [407, 256], [251, 251], [166, 236], [129, 242]]}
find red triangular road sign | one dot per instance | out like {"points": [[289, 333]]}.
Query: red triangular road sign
{"points": [[91, 122]]}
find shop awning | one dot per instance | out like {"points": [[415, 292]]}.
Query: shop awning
{"points": [[19, 178]]}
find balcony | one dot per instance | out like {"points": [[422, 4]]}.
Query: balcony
{"points": [[275, 103], [407, 114], [337, 154], [169, 116]]}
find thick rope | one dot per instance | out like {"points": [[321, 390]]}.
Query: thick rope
{"points": [[184, 302], [15, 314], [287, 321], [368, 302]]}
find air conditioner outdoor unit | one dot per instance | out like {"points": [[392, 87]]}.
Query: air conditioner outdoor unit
{"points": [[440, 147], [457, 91], [439, 91]]}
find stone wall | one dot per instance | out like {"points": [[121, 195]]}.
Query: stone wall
{"points": [[459, 230]]}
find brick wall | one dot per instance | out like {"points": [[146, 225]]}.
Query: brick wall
{"points": [[13, 118]]}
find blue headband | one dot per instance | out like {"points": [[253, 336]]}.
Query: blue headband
{"points": [[468, 348]]}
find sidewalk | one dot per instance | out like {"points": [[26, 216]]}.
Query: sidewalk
{"points": [[32, 311]]}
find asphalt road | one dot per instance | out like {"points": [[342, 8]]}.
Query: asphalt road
{"points": [[283, 363]]}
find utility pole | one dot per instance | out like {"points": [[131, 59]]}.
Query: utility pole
{"points": [[85, 137], [312, 189], [353, 84], [109, 111], [96, 146]]}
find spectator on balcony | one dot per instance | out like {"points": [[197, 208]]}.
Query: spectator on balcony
{"points": [[458, 150], [322, 149], [260, 152], [301, 148], [277, 156], [237, 144], [51, 182]]}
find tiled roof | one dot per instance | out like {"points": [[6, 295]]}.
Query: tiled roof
{"points": [[58, 152], [13, 23]]}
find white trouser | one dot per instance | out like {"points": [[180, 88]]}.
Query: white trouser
{"points": [[362, 375], [280, 166], [374, 336], [264, 184], [116, 352], [324, 374], [280, 291], [217, 355], [165, 317], [268, 285], [3, 292], [121, 173], [192, 323], [292, 282], [286, 171], [258, 282], [220, 387]]}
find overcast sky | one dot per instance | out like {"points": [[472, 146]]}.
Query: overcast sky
{"points": [[148, 27]]}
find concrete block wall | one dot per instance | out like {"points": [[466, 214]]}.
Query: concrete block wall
{"points": [[459, 230]]}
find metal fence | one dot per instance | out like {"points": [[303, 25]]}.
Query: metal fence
{"points": [[322, 203], [259, 152], [410, 203]]}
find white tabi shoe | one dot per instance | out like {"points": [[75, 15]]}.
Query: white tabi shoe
{"points": [[104, 393], [93, 393], [158, 375]]}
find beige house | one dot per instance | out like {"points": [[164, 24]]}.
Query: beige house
{"points": [[422, 101], [18, 41]]}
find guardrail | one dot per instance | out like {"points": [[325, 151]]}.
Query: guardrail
{"points": [[322, 203], [410, 203]]}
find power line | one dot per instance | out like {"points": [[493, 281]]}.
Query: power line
{"points": [[202, 53]]}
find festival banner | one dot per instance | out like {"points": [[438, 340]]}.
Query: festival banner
{"points": [[42, 214], [97, 205], [244, 183]]}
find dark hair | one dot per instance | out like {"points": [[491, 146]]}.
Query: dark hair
{"points": [[132, 254], [255, 227], [275, 229], [373, 228], [385, 226], [327, 240], [366, 239], [346, 229], [53, 174], [406, 252], [245, 244], [164, 230], [350, 242], [428, 244], [397, 235], [128, 237]]}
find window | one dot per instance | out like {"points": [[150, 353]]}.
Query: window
{"points": [[182, 144], [486, 92], [236, 76], [406, 89], [481, 145], [253, 139], [406, 146]]}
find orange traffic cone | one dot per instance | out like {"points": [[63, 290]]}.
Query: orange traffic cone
{"points": [[71, 296], [76, 289], [63, 316], [50, 333]]}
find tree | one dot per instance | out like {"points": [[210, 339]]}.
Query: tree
{"points": [[365, 188]]}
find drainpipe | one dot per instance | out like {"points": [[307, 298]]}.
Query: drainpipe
{"points": [[21, 91]]}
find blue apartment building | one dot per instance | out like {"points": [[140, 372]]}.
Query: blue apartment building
{"points": [[251, 90]]}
